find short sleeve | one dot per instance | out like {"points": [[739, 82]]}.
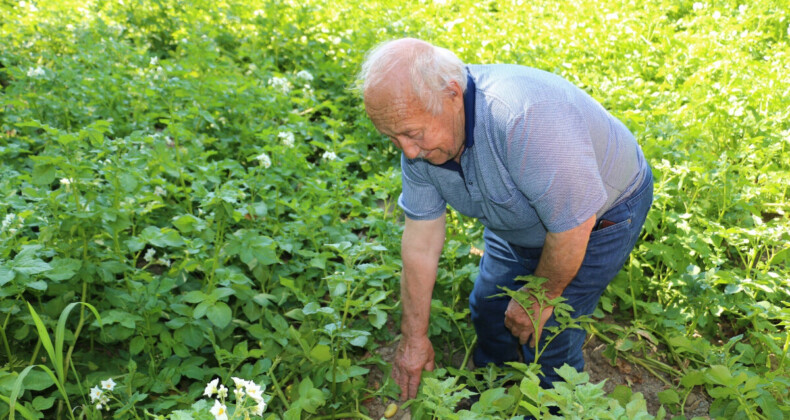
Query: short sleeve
{"points": [[551, 158], [419, 199]]}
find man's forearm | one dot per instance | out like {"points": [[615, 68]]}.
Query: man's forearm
{"points": [[420, 250], [562, 256], [416, 292]]}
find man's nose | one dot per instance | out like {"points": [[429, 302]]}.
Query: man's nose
{"points": [[410, 148]]}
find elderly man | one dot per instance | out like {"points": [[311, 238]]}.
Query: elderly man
{"points": [[560, 185]]}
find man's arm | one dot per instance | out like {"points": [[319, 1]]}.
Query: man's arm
{"points": [[563, 253], [421, 248]]}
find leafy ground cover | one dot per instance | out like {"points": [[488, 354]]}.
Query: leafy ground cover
{"points": [[192, 193]]}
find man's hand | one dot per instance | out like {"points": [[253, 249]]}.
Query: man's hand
{"points": [[519, 323], [563, 253], [412, 356]]}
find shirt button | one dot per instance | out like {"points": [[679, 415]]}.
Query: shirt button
{"points": [[471, 183]]}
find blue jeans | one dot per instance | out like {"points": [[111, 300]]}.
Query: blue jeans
{"points": [[502, 262]]}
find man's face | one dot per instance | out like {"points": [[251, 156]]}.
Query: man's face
{"points": [[418, 133]]}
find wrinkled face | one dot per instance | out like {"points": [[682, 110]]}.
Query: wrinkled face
{"points": [[418, 133]]}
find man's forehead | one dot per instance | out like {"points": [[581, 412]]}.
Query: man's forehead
{"points": [[389, 108]]}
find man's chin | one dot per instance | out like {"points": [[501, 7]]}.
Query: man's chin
{"points": [[436, 161]]}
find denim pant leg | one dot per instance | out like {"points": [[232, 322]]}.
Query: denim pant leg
{"points": [[498, 267], [607, 251]]}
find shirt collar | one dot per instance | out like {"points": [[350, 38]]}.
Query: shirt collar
{"points": [[469, 111], [469, 121]]}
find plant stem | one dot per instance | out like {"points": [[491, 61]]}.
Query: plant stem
{"points": [[5, 343], [76, 332], [468, 353], [218, 242], [784, 351], [638, 361], [277, 385], [35, 352], [344, 416]]}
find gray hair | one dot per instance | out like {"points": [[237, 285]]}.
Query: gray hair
{"points": [[430, 69]]}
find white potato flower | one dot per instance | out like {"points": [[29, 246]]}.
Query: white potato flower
{"points": [[36, 72], [254, 391], [304, 75], [95, 394], [240, 383], [211, 388], [287, 137], [219, 410], [260, 408], [280, 83], [329, 155], [264, 159], [109, 384], [7, 221]]}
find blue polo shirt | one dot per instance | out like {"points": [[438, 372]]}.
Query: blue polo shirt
{"points": [[541, 156]]}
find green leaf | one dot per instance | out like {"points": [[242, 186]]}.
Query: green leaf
{"points": [[188, 223], [164, 237], [692, 379], [201, 309], [136, 345], [22, 410], [377, 317], [63, 269], [321, 353], [720, 374], [219, 314], [46, 340], [26, 262], [181, 415], [780, 257], [44, 173], [195, 296], [496, 399], [310, 398], [17, 390], [311, 308], [221, 293], [669, 397], [128, 182], [625, 344], [259, 250], [37, 285], [42, 403], [37, 381], [622, 394], [191, 335], [6, 275], [60, 333]]}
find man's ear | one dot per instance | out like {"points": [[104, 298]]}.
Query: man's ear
{"points": [[455, 95], [454, 89]]}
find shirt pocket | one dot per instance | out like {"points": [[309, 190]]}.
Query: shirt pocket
{"points": [[510, 211]]}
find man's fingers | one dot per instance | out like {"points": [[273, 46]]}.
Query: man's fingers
{"points": [[414, 383]]}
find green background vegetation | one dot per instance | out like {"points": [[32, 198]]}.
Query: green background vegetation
{"points": [[155, 112]]}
